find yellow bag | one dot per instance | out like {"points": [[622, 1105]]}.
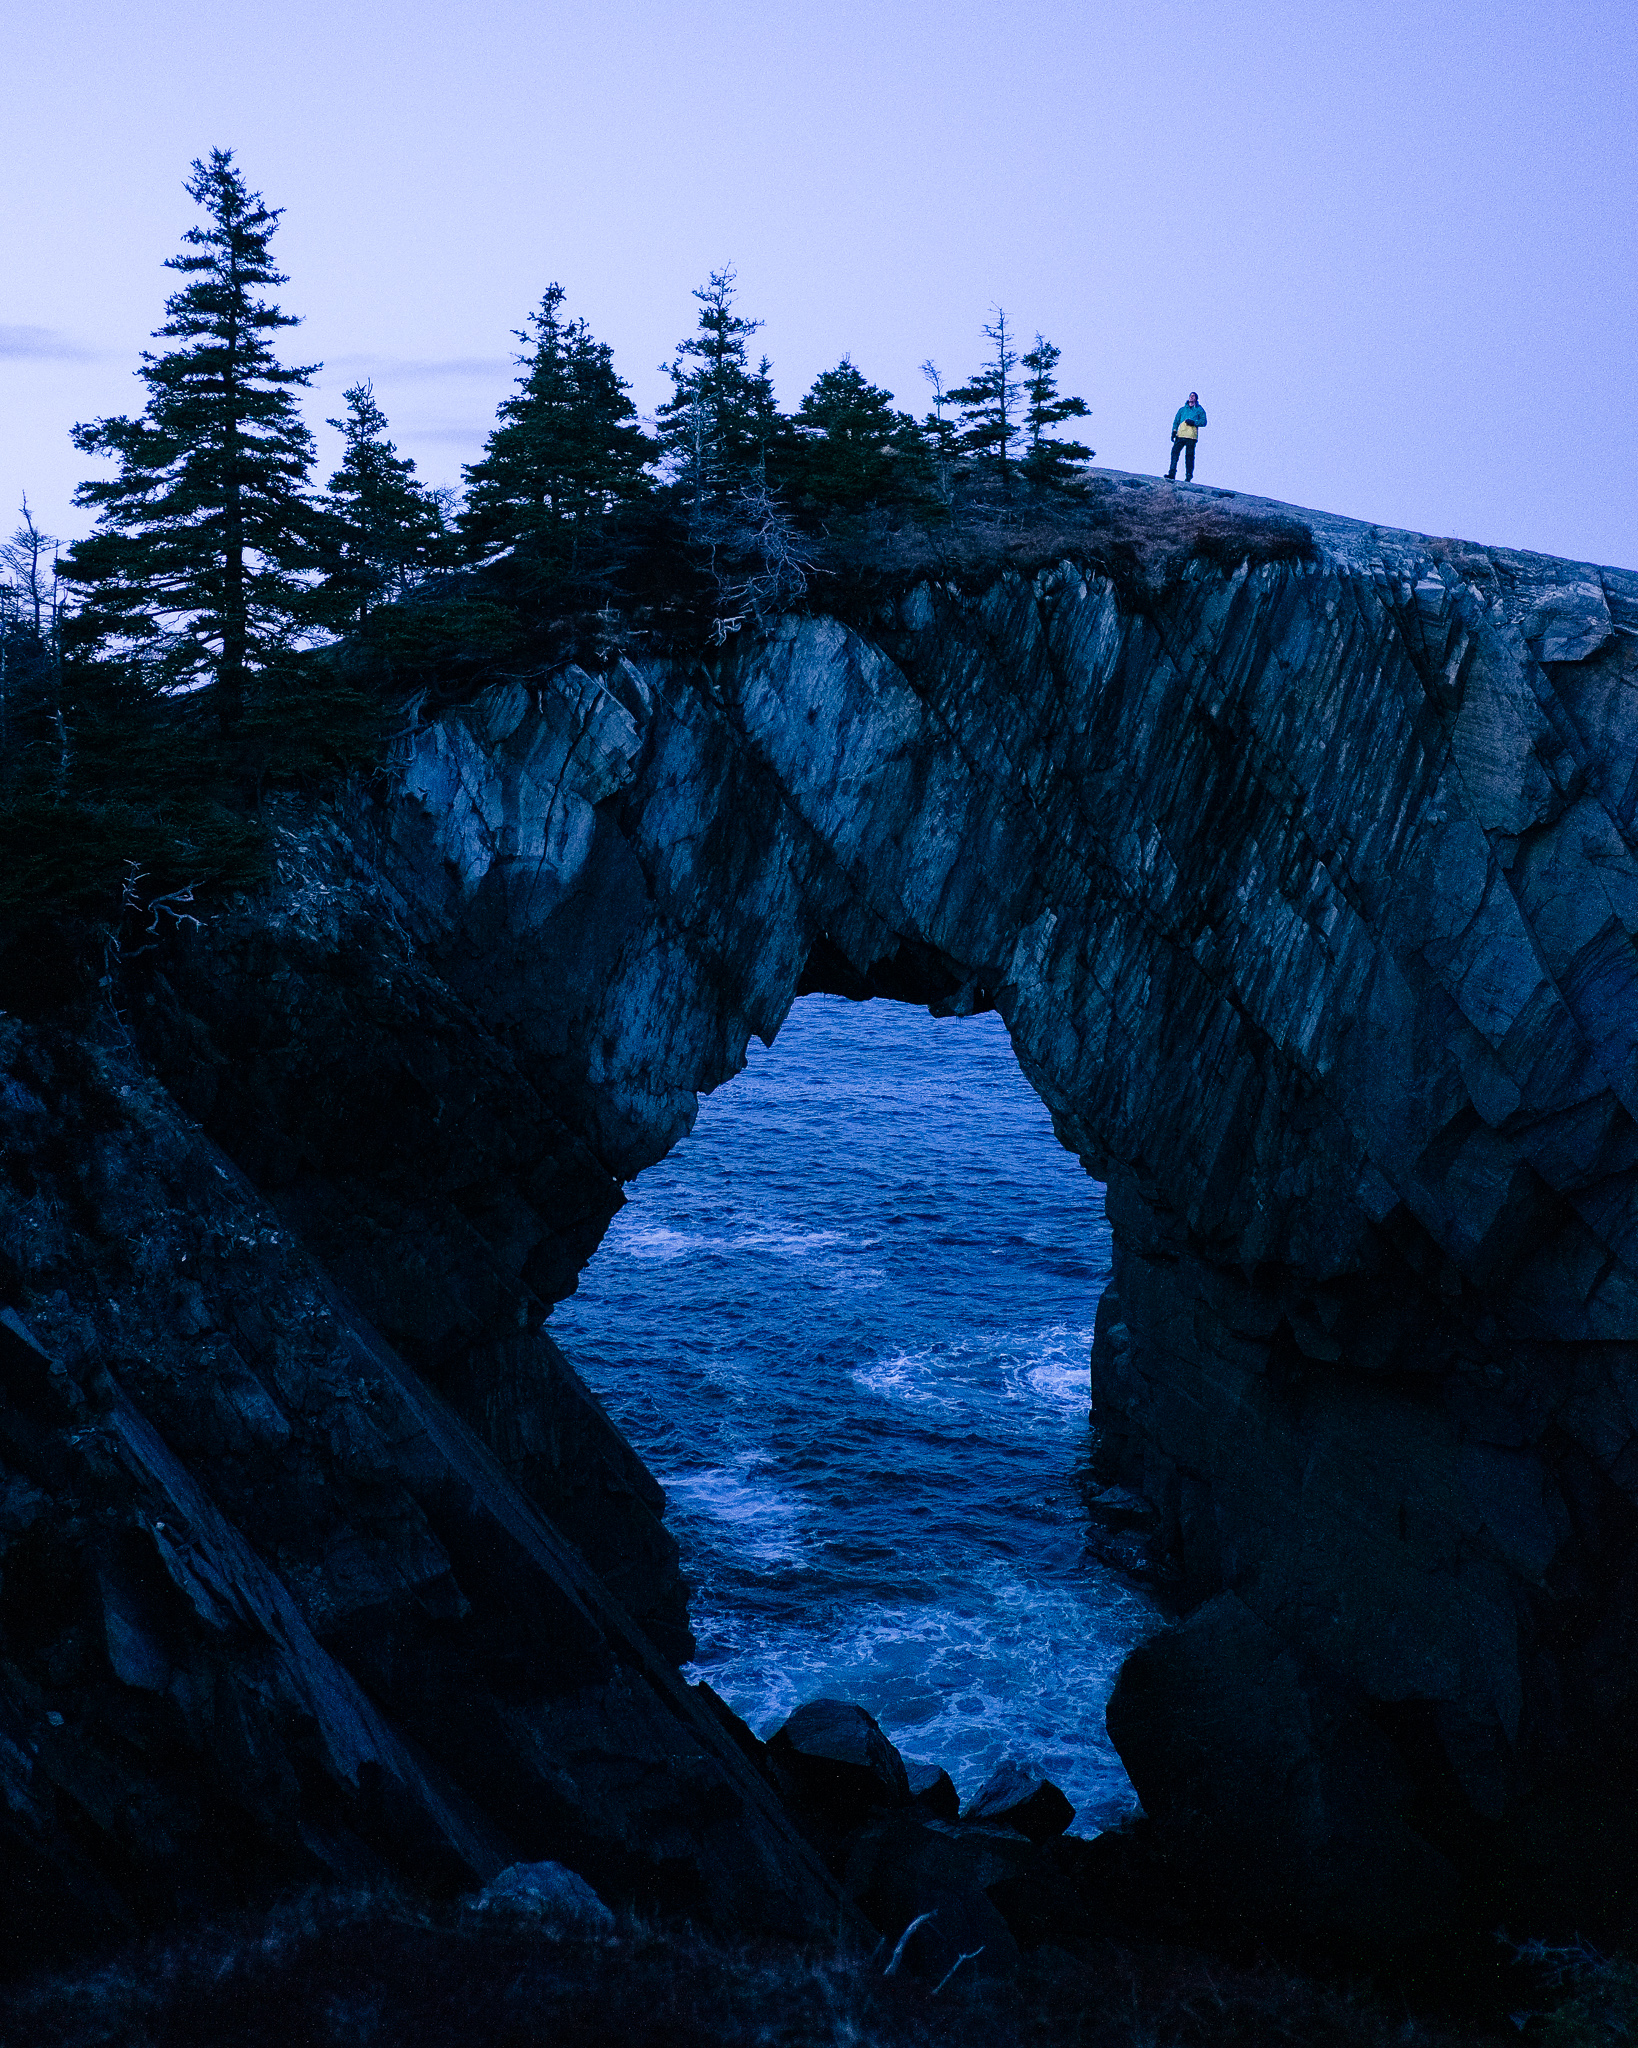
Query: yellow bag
{"points": [[1187, 431]]}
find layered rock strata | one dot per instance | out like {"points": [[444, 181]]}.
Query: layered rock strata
{"points": [[1307, 893]]}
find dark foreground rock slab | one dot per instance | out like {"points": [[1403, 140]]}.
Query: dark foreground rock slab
{"points": [[272, 1611], [903, 1870]]}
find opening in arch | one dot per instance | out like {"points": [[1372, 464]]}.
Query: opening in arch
{"points": [[846, 1323]]}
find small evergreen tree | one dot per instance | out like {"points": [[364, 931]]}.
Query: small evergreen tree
{"points": [[386, 529], [565, 451], [988, 404], [1048, 461], [847, 442], [721, 415], [199, 568]]}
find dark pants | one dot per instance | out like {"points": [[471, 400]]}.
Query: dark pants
{"points": [[1186, 449]]}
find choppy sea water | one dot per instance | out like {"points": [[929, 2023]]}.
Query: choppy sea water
{"points": [[846, 1323]]}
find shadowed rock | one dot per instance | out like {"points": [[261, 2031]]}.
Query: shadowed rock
{"points": [[1021, 1796], [903, 1870], [1295, 1802], [932, 1790], [839, 1761], [549, 1897]]}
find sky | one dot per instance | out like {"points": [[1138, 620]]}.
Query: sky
{"points": [[1392, 246]]}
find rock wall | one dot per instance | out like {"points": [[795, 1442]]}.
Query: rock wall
{"points": [[1307, 894]]}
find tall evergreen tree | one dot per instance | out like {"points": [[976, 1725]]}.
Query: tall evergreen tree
{"points": [[847, 441], [565, 450], [198, 570], [721, 415], [386, 529], [989, 403], [1049, 461]]}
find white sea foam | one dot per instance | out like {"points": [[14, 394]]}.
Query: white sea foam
{"points": [[655, 1243], [763, 1518], [1015, 1669], [914, 1377], [1049, 1366], [1045, 1368], [660, 1243], [791, 1244]]}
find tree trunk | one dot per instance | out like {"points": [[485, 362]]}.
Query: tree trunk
{"points": [[230, 676]]}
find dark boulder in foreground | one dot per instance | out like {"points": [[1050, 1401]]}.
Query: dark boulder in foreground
{"points": [[549, 1897], [932, 1790], [839, 1761], [1291, 1800], [1021, 1796], [901, 1869]]}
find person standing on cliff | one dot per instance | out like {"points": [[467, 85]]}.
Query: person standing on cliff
{"points": [[1185, 432]]}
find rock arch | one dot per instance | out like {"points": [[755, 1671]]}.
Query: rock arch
{"points": [[1308, 895], [1306, 890]]}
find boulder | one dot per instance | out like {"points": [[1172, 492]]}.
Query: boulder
{"points": [[549, 1895], [932, 1790], [957, 1933], [839, 1762], [898, 1858], [1267, 1784], [1019, 1795], [926, 1885]]}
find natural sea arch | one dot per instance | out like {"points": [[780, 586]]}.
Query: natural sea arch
{"points": [[846, 1322], [1306, 894]]}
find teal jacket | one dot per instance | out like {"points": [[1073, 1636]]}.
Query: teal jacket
{"points": [[1197, 413]]}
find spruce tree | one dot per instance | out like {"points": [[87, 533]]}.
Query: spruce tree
{"points": [[845, 449], [386, 529], [198, 570], [565, 451], [721, 416], [989, 403], [1048, 461]]}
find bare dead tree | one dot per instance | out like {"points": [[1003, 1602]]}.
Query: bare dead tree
{"points": [[30, 616], [756, 523], [30, 562], [939, 431]]}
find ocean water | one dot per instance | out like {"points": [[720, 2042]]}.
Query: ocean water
{"points": [[846, 1323]]}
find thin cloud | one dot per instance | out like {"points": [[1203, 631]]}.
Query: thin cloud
{"points": [[43, 344]]}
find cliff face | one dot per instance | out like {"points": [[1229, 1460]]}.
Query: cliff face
{"points": [[1307, 893]]}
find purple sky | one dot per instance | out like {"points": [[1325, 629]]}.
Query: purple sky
{"points": [[1393, 246]]}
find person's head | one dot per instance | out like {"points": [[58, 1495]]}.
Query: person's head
{"points": [[1194, 398]]}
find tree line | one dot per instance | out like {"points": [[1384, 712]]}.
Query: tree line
{"points": [[214, 559]]}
